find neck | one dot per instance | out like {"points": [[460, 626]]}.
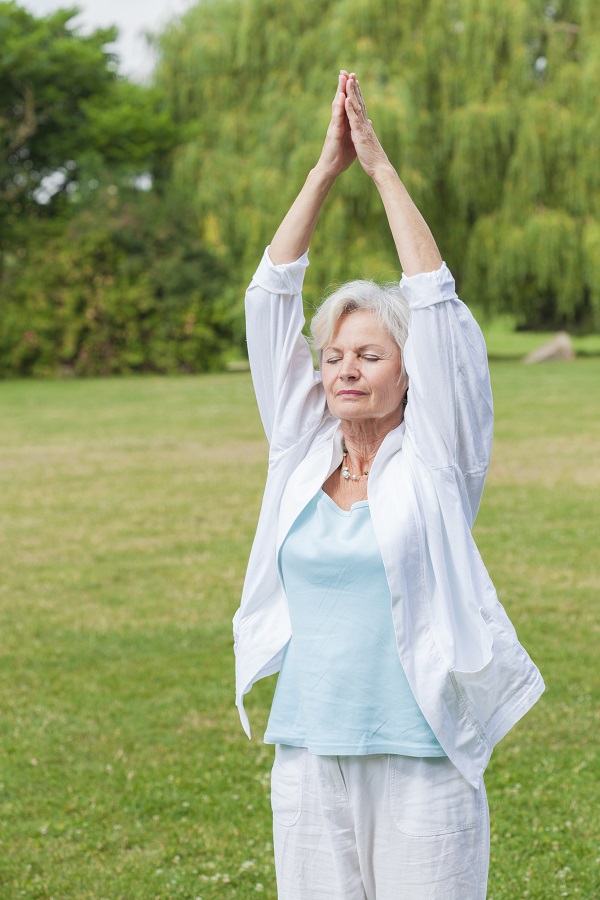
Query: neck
{"points": [[363, 440]]}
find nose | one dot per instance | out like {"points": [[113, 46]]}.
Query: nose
{"points": [[349, 370]]}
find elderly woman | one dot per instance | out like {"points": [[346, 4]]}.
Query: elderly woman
{"points": [[398, 668]]}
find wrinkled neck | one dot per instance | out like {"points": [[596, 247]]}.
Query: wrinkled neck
{"points": [[363, 439]]}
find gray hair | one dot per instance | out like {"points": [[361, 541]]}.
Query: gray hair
{"points": [[386, 301]]}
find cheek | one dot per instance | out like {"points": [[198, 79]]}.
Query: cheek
{"points": [[392, 390], [326, 380], [329, 386]]}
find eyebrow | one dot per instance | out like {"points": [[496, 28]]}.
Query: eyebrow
{"points": [[379, 347]]}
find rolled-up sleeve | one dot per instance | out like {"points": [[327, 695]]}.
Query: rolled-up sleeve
{"points": [[450, 411], [281, 362]]}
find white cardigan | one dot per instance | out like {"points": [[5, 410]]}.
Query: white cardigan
{"points": [[469, 674]]}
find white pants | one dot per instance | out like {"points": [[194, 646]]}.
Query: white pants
{"points": [[379, 827]]}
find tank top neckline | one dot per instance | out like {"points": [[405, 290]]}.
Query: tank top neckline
{"points": [[359, 504]]}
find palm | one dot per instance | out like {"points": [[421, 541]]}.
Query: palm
{"points": [[347, 151], [338, 151]]}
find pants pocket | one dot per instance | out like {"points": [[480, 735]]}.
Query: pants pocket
{"points": [[429, 796], [287, 778]]}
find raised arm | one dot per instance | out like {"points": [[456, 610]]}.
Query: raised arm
{"points": [[449, 414], [293, 236], [416, 247], [287, 388]]}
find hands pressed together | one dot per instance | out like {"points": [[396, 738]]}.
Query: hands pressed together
{"points": [[350, 134]]}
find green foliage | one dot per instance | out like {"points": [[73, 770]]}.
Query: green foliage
{"points": [[96, 277], [125, 286], [489, 112], [490, 115], [61, 98]]}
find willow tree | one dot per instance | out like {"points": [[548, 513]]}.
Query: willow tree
{"points": [[521, 151], [488, 111]]}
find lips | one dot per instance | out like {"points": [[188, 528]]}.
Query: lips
{"points": [[351, 394]]}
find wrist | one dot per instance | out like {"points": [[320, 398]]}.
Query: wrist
{"points": [[322, 176], [385, 174]]}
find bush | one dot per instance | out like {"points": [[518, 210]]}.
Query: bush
{"points": [[124, 286]]}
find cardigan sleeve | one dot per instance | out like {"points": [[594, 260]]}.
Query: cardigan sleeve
{"points": [[286, 384], [449, 414]]}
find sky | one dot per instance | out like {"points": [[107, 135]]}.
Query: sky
{"points": [[132, 18]]}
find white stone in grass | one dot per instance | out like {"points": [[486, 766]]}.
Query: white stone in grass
{"points": [[558, 349]]}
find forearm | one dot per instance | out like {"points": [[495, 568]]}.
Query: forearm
{"points": [[414, 241], [293, 236]]}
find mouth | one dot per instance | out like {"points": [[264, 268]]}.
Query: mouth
{"points": [[351, 394]]}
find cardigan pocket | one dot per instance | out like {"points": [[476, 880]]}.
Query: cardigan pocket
{"points": [[487, 690]]}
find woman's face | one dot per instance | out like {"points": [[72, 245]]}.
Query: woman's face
{"points": [[361, 371]]}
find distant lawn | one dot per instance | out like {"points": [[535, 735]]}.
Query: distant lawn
{"points": [[503, 342], [128, 509]]}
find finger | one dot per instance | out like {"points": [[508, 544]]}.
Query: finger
{"points": [[352, 89], [343, 77], [352, 110], [354, 105], [360, 99], [338, 107], [337, 91]]}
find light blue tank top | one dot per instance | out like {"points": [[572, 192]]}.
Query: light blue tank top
{"points": [[342, 689]]}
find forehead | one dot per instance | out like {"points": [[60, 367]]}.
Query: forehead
{"points": [[359, 327]]}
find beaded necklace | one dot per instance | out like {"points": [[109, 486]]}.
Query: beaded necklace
{"points": [[346, 472]]}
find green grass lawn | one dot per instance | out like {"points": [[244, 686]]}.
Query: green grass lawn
{"points": [[128, 508], [503, 342]]}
